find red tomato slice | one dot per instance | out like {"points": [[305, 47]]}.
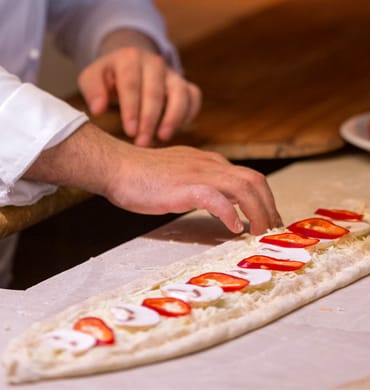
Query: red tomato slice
{"points": [[168, 306], [289, 240], [267, 262], [342, 215], [227, 282], [318, 228], [97, 328]]}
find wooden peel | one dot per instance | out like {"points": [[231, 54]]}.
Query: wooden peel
{"points": [[15, 219], [280, 83]]}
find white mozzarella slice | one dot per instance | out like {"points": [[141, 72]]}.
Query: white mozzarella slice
{"points": [[134, 316], [254, 276], [69, 340], [192, 293], [325, 243], [282, 253], [357, 228]]}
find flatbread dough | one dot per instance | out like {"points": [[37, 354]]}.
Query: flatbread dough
{"points": [[27, 358]]}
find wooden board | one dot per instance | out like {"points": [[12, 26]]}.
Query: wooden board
{"points": [[14, 219], [278, 84], [205, 16]]}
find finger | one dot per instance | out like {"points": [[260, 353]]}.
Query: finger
{"points": [[110, 82], [205, 197], [152, 100], [195, 102], [92, 86], [128, 78], [268, 198], [240, 190], [252, 206], [264, 192], [177, 106]]}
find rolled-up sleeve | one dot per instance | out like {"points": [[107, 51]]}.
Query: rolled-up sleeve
{"points": [[80, 26], [31, 121]]}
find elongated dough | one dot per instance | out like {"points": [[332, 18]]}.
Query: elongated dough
{"points": [[27, 359]]}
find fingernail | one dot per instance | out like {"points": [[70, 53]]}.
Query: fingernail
{"points": [[131, 127], [164, 133], [239, 226], [142, 140]]}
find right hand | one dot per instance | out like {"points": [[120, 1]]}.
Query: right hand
{"points": [[179, 179], [158, 181]]}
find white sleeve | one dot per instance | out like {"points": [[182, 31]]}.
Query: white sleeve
{"points": [[80, 26], [31, 121]]}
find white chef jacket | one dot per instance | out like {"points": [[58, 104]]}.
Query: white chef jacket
{"points": [[32, 120]]}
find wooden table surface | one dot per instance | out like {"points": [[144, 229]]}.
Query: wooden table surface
{"points": [[278, 80]]}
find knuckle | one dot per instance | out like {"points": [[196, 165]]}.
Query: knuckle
{"points": [[186, 151], [195, 91], [250, 176], [132, 87], [241, 187], [131, 52], [209, 156], [201, 194], [216, 156], [157, 60], [175, 80], [147, 124], [154, 94], [259, 179]]}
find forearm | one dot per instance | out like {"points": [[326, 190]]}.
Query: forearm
{"points": [[84, 160], [157, 181]]}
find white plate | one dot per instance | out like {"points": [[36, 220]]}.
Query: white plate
{"points": [[355, 131]]}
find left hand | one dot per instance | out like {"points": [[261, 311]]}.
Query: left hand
{"points": [[154, 99]]}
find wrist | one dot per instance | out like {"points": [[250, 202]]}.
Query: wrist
{"points": [[84, 160], [127, 38]]}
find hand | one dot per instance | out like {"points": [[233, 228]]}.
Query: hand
{"points": [[154, 99], [180, 179], [158, 181]]}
